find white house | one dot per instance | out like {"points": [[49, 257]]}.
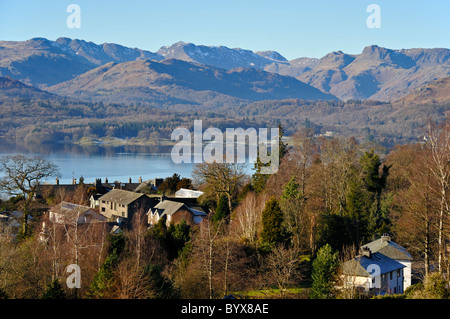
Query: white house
{"points": [[373, 271], [388, 248]]}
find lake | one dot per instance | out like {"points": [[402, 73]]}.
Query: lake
{"points": [[113, 162]]}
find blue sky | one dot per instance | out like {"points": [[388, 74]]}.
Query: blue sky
{"points": [[294, 28]]}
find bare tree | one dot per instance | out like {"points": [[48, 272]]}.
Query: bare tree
{"points": [[247, 221], [283, 267], [438, 142], [220, 178], [22, 176]]}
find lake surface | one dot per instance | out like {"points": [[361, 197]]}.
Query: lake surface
{"points": [[113, 162]]}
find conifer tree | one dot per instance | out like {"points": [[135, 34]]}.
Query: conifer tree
{"points": [[273, 231], [323, 273], [54, 291]]}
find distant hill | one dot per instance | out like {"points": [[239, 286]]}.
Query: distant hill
{"points": [[435, 92], [10, 88], [376, 73], [172, 81], [42, 63], [221, 56]]}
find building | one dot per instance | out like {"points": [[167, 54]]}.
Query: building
{"points": [[174, 212], [375, 273], [387, 247], [119, 205], [69, 213]]}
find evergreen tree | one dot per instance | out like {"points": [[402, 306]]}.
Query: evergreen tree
{"points": [[355, 208], [323, 273], [291, 203], [374, 176], [104, 280], [54, 291], [162, 287], [222, 210], [273, 231], [176, 238]]}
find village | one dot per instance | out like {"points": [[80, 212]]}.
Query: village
{"points": [[381, 267]]}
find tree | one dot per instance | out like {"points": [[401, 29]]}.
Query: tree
{"points": [[273, 231], [222, 212], [291, 203], [103, 282], [22, 176], [169, 185], [54, 291], [162, 287], [259, 181], [283, 267], [374, 176], [323, 273], [247, 220], [438, 142], [220, 178]]}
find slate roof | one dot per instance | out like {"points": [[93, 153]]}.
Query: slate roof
{"points": [[121, 196], [364, 266], [389, 249], [74, 212], [168, 207]]}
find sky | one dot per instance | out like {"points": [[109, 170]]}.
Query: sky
{"points": [[294, 28]]}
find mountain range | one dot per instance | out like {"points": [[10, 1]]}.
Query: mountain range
{"points": [[185, 73]]}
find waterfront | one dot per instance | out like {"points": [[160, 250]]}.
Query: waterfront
{"points": [[115, 163]]}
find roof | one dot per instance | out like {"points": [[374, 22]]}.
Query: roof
{"points": [[168, 207], [365, 266], [188, 193], [121, 196], [73, 212], [389, 249]]}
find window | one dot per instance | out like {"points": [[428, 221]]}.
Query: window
{"points": [[399, 273], [390, 275], [103, 209], [383, 277]]}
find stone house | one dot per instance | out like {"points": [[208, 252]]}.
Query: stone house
{"points": [[121, 205]]}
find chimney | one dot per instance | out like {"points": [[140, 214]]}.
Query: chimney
{"points": [[365, 251], [57, 180], [385, 238], [129, 180]]}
